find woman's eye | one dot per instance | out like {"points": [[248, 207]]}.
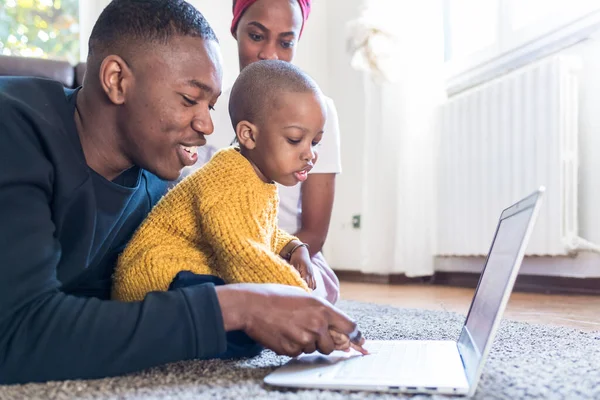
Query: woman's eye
{"points": [[294, 141], [211, 108], [255, 37], [316, 144], [287, 45]]}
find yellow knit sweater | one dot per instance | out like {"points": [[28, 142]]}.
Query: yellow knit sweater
{"points": [[222, 221]]}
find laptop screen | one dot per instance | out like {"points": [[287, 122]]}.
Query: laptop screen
{"points": [[498, 269], [492, 292]]}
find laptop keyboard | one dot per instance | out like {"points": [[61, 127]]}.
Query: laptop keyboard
{"points": [[386, 360]]}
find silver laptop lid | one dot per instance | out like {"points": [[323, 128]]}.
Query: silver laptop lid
{"points": [[496, 283]]}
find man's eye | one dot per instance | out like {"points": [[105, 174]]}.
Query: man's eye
{"points": [[189, 101], [294, 141], [287, 45]]}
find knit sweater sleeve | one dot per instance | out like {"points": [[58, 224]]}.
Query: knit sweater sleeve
{"points": [[242, 247], [280, 239], [167, 242]]}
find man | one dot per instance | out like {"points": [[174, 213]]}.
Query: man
{"points": [[80, 171]]}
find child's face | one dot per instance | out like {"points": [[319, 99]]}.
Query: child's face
{"points": [[287, 138]]}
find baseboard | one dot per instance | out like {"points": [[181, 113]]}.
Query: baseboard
{"points": [[524, 283], [357, 276]]}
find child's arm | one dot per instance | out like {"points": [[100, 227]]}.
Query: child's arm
{"points": [[165, 244], [143, 269], [296, 253], [242, 248], [281, 239]]}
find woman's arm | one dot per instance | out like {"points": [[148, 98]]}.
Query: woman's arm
{"points": [[319, 189], [317, 202]]}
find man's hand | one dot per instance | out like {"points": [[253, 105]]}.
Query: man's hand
{"points": [[285, 319], [301, 261]]}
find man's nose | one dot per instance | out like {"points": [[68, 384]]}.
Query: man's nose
{"points": [[202, 123]]}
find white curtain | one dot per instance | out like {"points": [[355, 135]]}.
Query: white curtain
{"points": [[399, 45], [89, 11]]}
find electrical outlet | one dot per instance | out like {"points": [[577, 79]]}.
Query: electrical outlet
{"points": [[356, 221]]}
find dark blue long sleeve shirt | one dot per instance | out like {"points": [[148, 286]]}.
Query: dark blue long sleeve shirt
{"points": [[61, 229]]}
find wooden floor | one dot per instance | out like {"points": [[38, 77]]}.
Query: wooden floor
{"points": [[581, 312]]}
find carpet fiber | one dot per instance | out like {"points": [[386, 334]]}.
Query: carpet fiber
{"points": [[526, 362]]}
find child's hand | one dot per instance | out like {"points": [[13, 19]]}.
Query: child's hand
{"points": [[301, 261], [342, 342]]}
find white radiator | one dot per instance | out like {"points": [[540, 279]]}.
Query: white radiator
{"points": [[500, 141]]}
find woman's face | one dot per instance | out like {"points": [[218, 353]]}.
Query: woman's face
{"points": [[269, 30]]}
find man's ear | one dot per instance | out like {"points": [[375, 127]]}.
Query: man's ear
{"points": [[115, 78], [246, 133]]}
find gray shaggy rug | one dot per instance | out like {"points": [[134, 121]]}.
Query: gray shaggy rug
{"points": [[526, 362]]}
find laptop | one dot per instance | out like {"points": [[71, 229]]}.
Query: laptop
{"points": [[430, 366]]}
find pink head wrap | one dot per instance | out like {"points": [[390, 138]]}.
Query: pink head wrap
{"points": [[240, 6]]}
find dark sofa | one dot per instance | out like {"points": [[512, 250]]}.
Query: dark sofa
{"points": [[62, 71]]}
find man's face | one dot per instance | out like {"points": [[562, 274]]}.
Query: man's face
{"points": [[166, 112], [287, 139]]}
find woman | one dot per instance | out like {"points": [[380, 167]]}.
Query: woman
{"points": [[270, 29]]}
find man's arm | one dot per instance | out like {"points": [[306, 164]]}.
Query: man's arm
{"points": [[46, 334], [287, 320], [59, 337]]}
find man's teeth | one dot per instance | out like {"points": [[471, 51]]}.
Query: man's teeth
{"points": [[192, 150]]}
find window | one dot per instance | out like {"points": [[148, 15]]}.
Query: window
{"points": [[529, 20], [40, 28], [484, 38], [462, 23]]}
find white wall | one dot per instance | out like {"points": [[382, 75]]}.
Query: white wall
{"points": [[346, 89], [218, 14]]}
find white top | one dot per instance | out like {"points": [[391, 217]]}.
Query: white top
{"points": [[329, 161]]}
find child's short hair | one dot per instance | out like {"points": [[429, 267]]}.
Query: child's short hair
{"points": [[259, 85]]}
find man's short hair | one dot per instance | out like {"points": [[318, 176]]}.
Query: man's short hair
{"points": [[131, 22], [259, 85]]}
